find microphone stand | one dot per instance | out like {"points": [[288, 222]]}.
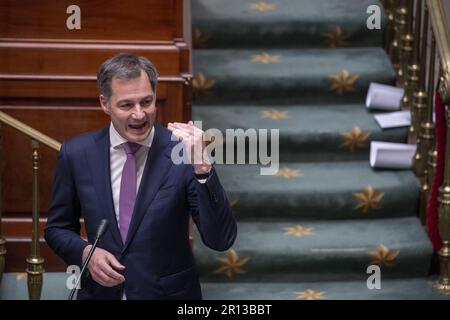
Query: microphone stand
{"points": [[100, 232]]}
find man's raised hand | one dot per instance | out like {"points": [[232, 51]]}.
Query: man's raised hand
{"points": [[193, 139]]}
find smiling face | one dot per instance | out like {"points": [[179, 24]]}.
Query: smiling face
{"points": [[131, 107]]}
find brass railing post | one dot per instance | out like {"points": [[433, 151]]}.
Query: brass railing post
{"points": [[431, 171], [443, 284], [406, 50], [400, 22], [35, 263], [432, 154], [427, 140], [35, 268], [389, 9], [420, 105], [413, 79]]}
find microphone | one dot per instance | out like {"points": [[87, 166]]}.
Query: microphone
{"points": [[100, 232]]}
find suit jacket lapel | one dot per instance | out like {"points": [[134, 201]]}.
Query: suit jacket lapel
{"points": [[99, 165], [156, 166]]}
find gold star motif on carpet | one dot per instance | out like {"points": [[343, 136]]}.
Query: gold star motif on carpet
{"points": [[354, 138], [201, 85], [343, 81], [199, 40], [310, 295], [265, 58], [289, 173], [232, 264], [335, 38], [262, 6], [274, 114], [382, 256], [298, 231], [368, 199]]}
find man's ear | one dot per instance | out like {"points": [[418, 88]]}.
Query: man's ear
{"points": [[104, 104]]}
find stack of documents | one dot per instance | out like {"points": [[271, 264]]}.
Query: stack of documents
{"points": [[391, 155], [384, 97], [393, 119]]}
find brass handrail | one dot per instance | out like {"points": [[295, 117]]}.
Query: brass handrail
{"points": [[419, 85], [35, 263], [29, 131], [442, 34]]}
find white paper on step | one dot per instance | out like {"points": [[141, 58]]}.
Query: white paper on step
{"points": [[391, 155], [384, 97], [393, 119]]}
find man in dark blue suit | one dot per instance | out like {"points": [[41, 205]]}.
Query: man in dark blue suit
{"points": [[124, 172]]}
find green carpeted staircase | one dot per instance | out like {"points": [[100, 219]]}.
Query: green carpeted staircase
{"points": [[311, 231]]}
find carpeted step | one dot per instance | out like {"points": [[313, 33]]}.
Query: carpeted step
{"points": [[306, 250], [325, 190], [283, 23], [306, 132], [291, 76], [14, 287], [404, 289]]}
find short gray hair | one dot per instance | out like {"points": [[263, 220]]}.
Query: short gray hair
{"points": [[124, 66]]}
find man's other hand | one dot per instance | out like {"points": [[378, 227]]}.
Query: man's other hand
{"points": [[103, 267]]}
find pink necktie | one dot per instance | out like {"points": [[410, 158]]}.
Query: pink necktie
{"points": [[127, 196]]}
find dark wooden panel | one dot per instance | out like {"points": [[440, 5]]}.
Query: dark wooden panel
{"points": [[185, 59], [18, 249], [48, 81], [83, 59], [36, 88], [59, 88], [20, 225], [134, 20], [173, 109]]}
